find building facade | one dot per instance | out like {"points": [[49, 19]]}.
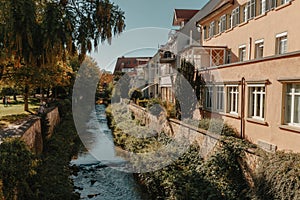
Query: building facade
{"points": [[257, 89]]}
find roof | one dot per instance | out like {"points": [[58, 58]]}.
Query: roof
{"points": [[183, 15], [219, 6], [130, 62]]}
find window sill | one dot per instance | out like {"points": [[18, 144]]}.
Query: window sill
{"points": [[244, 23], [260, 16], [257, 121], [228, 30], [231, 115], [217, 35], [283, 5], [290, 128]]}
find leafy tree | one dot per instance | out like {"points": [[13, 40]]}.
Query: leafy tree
{"points": [[16, 166], [189, 81], [38, 37]]}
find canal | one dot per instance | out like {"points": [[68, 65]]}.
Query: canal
{"points": [[95, 180]]}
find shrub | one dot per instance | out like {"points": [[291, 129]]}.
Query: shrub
{"points": [[216, 126], [279, 177], [16, 167], [135, 94]]}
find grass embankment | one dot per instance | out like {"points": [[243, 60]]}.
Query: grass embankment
{"points": [[49, 172], [14, 112], [219, 177]]}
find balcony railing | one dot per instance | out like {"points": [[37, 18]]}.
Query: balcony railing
{"points": [[167, 57], [205, 56]]}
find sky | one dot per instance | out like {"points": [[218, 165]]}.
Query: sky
{"points": [[148, 23]]}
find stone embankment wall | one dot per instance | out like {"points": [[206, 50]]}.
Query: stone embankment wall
{"points": [[206, 140], [32, 134], [31, 131], [53, 118]]}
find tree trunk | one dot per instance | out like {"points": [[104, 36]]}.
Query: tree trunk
{"points": [[26, 95]]}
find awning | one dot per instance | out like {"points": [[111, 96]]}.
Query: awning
{"points": [[145, 88]]}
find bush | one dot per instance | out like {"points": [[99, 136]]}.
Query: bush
{"points": [[135, 94], [16, 167], [216, 126], [279, 177]]}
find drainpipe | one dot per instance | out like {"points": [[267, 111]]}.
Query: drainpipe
{"points": [[250, 48], [242, 131]]}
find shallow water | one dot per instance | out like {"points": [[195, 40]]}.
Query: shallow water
{"points": [[94, 179]]}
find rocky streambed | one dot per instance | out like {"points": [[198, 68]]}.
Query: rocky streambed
{"points": [[92, 178]]}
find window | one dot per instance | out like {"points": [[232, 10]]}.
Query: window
{"points": [[281, 43], [257, 95], [205, 32], [270, 4], [292, 104], [220, 98], [232, 99], [208, 97], [229, 23], [222, 24], [242, 53], [235, 17], [245, 13], [284, 1], [212, 29], [259, 48], [250, 9], [262, 7]]}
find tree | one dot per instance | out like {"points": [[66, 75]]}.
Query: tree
{"points": [[188, 82], [38, 35]]}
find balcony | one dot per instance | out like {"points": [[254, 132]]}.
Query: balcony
{"points": [[205, 56], [167, 57]]}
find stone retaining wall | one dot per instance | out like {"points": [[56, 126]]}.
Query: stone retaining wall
{"points": [[206, 140], [31, 130]]}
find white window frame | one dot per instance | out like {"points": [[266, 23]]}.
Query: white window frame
{"points": [[263, 6], [259, 46], [245, 13], [281, 43], [255, 96], [232, 99], [242, 53], [235, 17], [212, 28], [284, 1], [222, 24], [291, 111], [251, 8], [220, 93], [209, 97]]}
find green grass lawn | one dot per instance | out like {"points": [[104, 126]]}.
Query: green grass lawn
{"points": [[15, 111]]}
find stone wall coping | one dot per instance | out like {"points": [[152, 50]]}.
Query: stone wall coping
{"points": [[199, 130]]}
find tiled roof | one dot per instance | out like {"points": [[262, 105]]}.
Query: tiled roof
{"points": [[183, 15], [130, 62]]}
